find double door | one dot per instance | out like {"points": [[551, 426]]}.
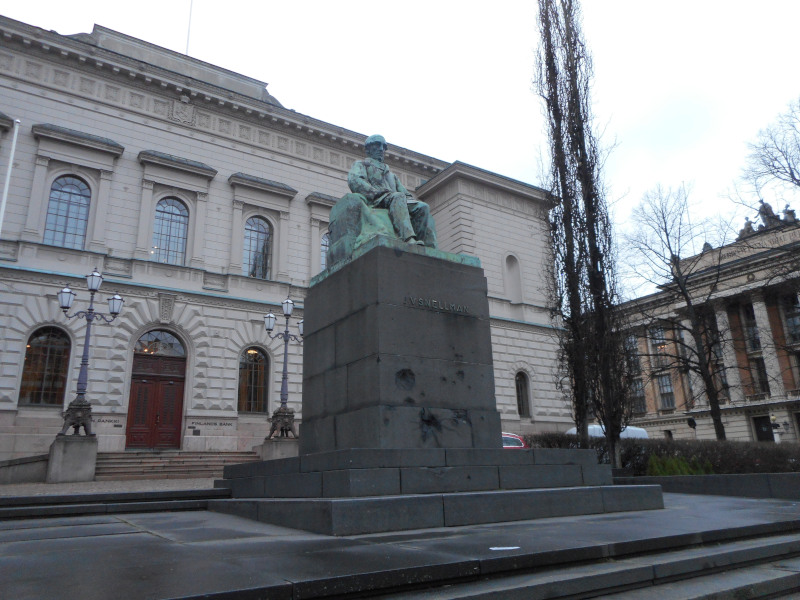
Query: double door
{"points": [[156, 403]]}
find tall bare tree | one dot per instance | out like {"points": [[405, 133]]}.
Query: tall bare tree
{"points": [[665, 243], [585, 292], [774, 158]]}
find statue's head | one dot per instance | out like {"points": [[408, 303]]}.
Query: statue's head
{"points": [[375, 147]]}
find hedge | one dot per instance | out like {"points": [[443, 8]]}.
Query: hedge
{"points": [[723, 457]]}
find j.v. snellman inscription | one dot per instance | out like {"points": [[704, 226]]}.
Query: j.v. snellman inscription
{"points": [[434, 304]]}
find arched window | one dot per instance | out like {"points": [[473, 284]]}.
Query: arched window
{"points": [[513, 280], [523, 398], [253, 386], [257, 248], [67, 213], [170, 231], [44, 377], [159, 343], [323, 251]]}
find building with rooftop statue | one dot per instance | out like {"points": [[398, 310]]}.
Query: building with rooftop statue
{"points": [[204, 202], [748, 290]]}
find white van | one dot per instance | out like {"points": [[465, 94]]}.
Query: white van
{"points": [[629, 432]]}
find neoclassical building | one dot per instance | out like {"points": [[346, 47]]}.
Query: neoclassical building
{"points": [[205, 203], [748, 290]]}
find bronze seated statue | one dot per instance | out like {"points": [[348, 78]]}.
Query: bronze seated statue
{"points": [[378, 205]]}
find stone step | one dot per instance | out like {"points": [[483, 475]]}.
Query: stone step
{"points": [[168, 464], [750, 568], [25, 507], [376, 514]]}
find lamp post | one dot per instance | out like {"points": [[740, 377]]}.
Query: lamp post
{"points": [[79, 411], [282, 419]]}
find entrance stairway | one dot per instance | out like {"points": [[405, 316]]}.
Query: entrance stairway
{"points": [[738, 568], [168, 464]]}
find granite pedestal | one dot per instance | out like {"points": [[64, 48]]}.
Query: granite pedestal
{"points": [[400, 427], [397, 354], [72, 458]]}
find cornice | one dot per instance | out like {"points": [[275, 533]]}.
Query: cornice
{"points": [[464, 171], [77, 138], [81, 53], [265, 185], [162, 159]]}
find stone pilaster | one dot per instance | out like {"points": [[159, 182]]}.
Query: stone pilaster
{"points": [[735, 390], [768, 351]]}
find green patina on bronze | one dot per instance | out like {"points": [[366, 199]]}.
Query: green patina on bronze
{"points": [[379, 205]]}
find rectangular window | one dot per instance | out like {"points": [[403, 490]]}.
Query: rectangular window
{"points": [[666, 392], [637, 393], [791, 310], [658, 346], [751, 338], [632, 355], [758, 370]]}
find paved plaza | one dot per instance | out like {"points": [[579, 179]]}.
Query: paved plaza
{"points": [[198, 554]]}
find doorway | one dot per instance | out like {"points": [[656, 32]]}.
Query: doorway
{"points": [[763, 429], [155, 408]]}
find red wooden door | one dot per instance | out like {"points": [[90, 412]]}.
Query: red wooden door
{"points": [[156, 402]]}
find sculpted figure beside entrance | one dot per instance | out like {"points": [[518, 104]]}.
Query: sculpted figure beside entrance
{"points": [[378, 205]]}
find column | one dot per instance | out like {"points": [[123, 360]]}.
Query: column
{"points": [[768, 351], [695, 381], [735, 391], [37, 208]]}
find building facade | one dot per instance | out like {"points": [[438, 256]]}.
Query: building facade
{"points": [[748, 294], [204, 203]]}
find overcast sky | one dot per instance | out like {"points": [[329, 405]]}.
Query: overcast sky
{"points": [[680, 86]]}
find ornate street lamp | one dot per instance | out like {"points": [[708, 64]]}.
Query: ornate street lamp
{"points": [[79, 411], [282, 419]]}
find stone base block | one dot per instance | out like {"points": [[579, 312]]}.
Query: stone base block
{"points": [[72, 458], [363, 472], [354, 516], [277, 448]]}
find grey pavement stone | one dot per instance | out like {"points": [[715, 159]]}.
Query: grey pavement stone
{"points": [[361, 482], [265, 467], [436, 480], [625, 498], [362, 458], [196, 554], [293, 485], [248, 487], [540, 476], [563, 456], [597, 475], [459, 457], [518, 505]]}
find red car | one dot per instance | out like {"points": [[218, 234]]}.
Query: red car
{"points": [[512, 440]]}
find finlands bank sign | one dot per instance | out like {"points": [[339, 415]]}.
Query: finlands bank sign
{"points": [[435, 304]]}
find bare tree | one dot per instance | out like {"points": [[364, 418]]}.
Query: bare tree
{"points": [[774, 159], [585, 291], [664, 241]]}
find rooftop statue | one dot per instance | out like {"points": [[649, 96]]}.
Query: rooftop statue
{"points": [[377, 205], [768, 217]]}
